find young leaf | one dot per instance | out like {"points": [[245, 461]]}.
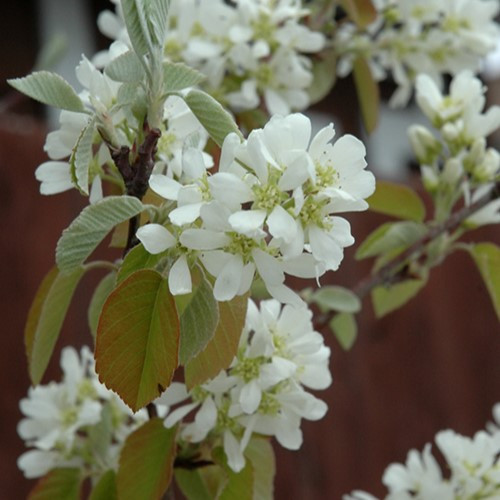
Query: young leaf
{"points": [[398, 201], [138, 339], [146, 462], [368, 93], [46, 317], [487, 258], [191, 484], [125, 68], [216, 120], [158, 19], [324, 76], [198, 319], [221, 350], [344, 327], [362, 12], [337, 298], [178, 76], [239, 484], [82, 157], [137, 26], [105, 489], [64, 483], [50, 89], [137, 258], [261, 454], [104, 288], [90, 228], [391, 236], [386, 300]]}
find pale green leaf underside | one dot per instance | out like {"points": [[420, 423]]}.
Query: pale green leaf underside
{"points": [[397, 201], [261, 454], [487, 258], [216, 120], [337, 298], [82, 157], [391, 236], [46, 317], [49, 88], [386, 300], [178, 76], [345, 329], [137, 27], [199, 320], [90, 228], [103, 289], [125, 68]]}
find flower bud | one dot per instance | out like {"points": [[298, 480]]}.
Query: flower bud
{"points": [[425, 146]]}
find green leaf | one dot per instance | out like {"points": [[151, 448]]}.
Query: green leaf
{"points": [[368, 93], [46, 317], [138, 339], [104, 288], [239, 484], [137, 26], [362, 12], [191, 484], [158, 20], [126, 67], [398, 201], [386, 300], [199, 317], [216, 120], [223, 347], [344, 327], [391, 236], [324, 76], [49, 88], [100, 435], [63, 484], [81, 158], [90, 228], [487, 258], [337, 298], [261, 454], [137, 258], [146, 462], [178, 76], [105, 489]]}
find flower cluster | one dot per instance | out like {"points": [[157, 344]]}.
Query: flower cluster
{"points": [[117, 125], [473, 463], [271, 208], [250, 51], [431, 37], [74, 423], [458, 163], [263, 390]]}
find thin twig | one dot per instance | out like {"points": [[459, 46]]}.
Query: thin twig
{"points": [[397, 269]]}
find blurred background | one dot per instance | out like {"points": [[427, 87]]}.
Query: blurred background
{"points": [[435, 364]]}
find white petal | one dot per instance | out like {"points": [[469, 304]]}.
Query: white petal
{"points": [[250, 396], [269, 268], [281, 224], [155, 238], [247, 221], [185, 214], [178, 414], [175, 393], [164, 186], [204, 239], [229, 280], [232, 448], [179, 277]]}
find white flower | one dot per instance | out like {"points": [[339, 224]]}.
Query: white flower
{"points": [[263, 389]]}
